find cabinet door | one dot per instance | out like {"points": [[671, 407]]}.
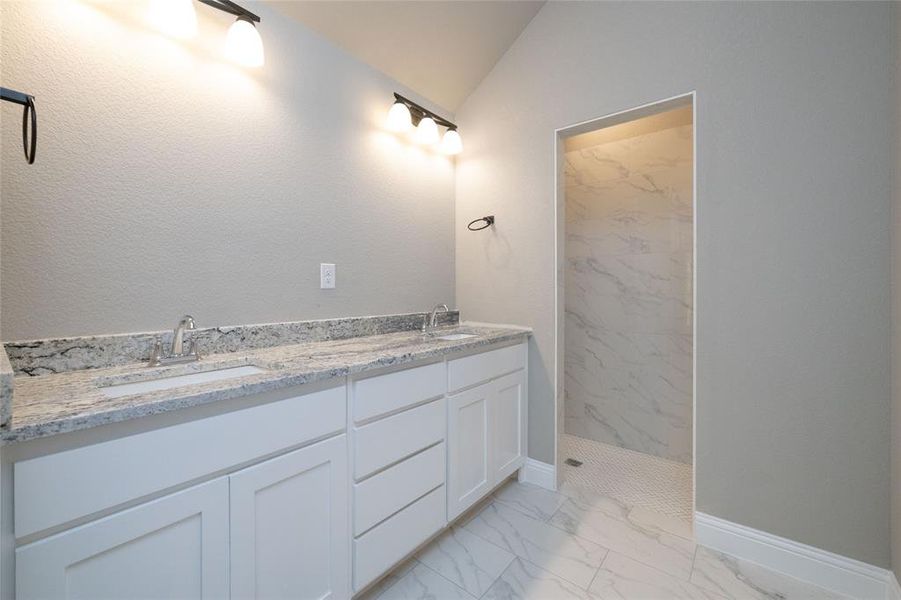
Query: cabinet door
{"points": [[173, 547], [469, 448], [508, 425], [290, 536]]}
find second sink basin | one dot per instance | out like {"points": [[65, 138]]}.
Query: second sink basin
{"points": [[455, 336], [165, 383]]}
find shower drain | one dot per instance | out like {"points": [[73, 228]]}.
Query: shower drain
{"points": [[573, 462]]}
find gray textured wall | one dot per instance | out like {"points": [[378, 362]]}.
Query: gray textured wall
{"points": [[795, 169], [169, 181], [896, 255]]}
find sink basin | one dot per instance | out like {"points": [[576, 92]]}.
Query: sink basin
{"points": [[455, 336], [165, 383]]}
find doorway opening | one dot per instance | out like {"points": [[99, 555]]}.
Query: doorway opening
{"points": [[626, 266]]}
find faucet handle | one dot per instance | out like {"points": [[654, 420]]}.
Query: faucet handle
{"points": [[156, 353], [192, 349]]}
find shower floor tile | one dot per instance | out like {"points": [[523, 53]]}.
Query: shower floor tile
{"points": [[631, 477]]}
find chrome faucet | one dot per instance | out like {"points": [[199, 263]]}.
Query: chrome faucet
{"points": [[431, 321], [177, 353], [187, 322]]}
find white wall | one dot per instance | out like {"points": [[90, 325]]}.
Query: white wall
{"points": [[794, 184], [169, 181]]}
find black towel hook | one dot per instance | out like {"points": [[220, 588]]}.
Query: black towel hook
{"points": [[489, 221], [27, 101]]}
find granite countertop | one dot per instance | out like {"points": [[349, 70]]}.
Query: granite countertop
{"points": [[59, 403]]}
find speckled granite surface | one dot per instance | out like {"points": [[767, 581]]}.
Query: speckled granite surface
{"points": [[47, 405], [6, 387], [43, 357]]}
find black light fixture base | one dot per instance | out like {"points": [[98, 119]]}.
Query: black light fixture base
{"points": [[232, 9], [417, 112]]}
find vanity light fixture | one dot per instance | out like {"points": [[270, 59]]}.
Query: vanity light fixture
{"points": [[427, 131], [399, 118], [405, 114], [243, 44], [451, 143]]}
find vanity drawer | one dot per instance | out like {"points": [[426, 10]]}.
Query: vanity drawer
{"points": [[381, 443], [470, 370], [102, 476], [383, 394], [387, 492], [379, 549]]}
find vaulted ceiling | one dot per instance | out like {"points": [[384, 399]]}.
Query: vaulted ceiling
{"points": [[440, 49]]}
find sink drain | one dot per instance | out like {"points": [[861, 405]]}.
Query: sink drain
{"points": [[573, 462]]}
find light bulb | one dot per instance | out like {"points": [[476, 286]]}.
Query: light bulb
{"points": [[399, 117], [243, 44], [173, 17], [427, 131], [451, 143]]}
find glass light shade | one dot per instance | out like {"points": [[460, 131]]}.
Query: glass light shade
{"points": [[173, 17], [399, 117], [451, 143], [243, 44], [427, 131]]}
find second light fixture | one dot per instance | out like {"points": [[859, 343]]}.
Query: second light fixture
{"points": [[405, 115], [178, 18]]}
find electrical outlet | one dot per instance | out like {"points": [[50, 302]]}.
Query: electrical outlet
{"points": [[326, 276]]}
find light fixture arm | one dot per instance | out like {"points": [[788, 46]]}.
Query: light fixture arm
{"points": [[231, 8], [418, 112]]}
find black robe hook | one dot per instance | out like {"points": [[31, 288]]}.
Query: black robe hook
{"points": [[27, 101], [488, 222]]}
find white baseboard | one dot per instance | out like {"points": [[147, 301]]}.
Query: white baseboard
{"points": [[538, 473], [819, 567]]}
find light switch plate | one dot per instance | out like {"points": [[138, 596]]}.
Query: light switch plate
{"points": [[327, 276]]}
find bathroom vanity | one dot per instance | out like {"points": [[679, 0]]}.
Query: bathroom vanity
{"points": [[308, 480]]}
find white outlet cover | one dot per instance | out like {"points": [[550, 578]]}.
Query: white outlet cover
{"points": [[326, 276]]}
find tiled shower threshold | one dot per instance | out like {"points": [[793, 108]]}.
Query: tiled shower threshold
{"points": [[634, 478]]}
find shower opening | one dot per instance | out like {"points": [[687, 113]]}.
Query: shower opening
{"points": [[625, 306]]}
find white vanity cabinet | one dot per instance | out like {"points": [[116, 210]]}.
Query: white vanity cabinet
{"points": [[399, 427], [486, 425], [289, 532], [309, 492], [172, 547], [275, 529]]}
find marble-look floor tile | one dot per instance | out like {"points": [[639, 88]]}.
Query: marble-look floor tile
{"points": [[565, 555], [530, 499], [648, 518], [606, 522], [622, 578], [744, 580], [466, 560], [523, 580], [422, 583], [388, 580]]}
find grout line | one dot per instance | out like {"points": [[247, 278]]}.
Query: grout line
{"points": [[517, 556], [598, 570], [465, 591], [499, 575], [638, 560]]}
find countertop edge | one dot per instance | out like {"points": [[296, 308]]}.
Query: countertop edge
{"points": [[237, 389], [7, 385]]}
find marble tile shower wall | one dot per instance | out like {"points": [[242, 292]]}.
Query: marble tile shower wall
{"points": [[628, 284]]}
